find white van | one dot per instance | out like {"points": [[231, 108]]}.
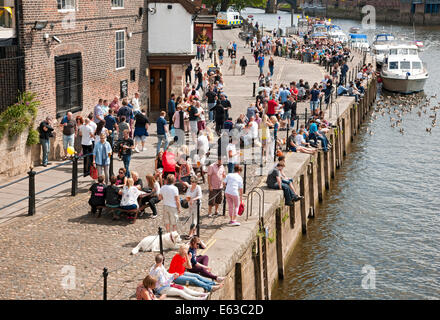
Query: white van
{"points": [[229, 19]]}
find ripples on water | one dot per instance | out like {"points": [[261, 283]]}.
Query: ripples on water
{"points": [[382, 210]]}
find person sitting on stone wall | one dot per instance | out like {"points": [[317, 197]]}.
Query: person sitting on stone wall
{"points": [[275, 181]]}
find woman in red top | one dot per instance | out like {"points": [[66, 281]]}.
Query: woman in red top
{"points": [[182, 261], [271, 107]]}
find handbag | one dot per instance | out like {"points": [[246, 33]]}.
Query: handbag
{"points": [[93, 172], [241, 209], [184, 203]]}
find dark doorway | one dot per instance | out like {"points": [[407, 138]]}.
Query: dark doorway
{"points": [[158, 90]]}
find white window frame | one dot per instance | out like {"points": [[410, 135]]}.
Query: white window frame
{"points": [[119, 6], [116, 50], [75, 6]]}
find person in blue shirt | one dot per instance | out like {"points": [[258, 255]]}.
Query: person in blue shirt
{"points": [[171, 108], [315, 135], [261, 63], [101, 156], [162, 132], [314, 98], [284, 93], [344, 70], [234, 46]]}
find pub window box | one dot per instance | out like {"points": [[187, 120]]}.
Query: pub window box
{"points": [[117, 4], [68, 83], [66, 5]]}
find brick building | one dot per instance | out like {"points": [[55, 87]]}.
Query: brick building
{"points": [[73, 52]]}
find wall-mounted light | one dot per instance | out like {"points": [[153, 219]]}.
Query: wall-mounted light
{"points": [[57, 39], [40, 25], [129, 35], [46, 36]]}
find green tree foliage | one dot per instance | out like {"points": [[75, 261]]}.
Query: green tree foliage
{"points": [[222, 5]]}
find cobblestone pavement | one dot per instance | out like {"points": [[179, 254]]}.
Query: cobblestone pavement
{"points": [[41, 254]]}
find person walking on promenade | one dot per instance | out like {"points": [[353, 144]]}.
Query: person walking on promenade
{"points": [[243, 65], [193, 196], [98, 113], [221, 52], [188, 70], [127, 146], [261, 62], [101, 156], [216, 175], [68, 124], [165, 284], [226, 104], [182, 261], [141, 129], [315, 93], [234, 193], [211, 98], [162, 132], [171, 108], [344, 70], [271, 65], [219, 112], [171, 204], [232, 154], [233, 64], [45, 129], [86, 133]]}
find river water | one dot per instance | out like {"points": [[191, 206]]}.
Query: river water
{"points": [[377, 233]]}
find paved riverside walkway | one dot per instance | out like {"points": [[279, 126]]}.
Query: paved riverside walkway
{"points": [[40, 253]]}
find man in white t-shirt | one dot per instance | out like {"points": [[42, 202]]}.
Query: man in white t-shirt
{"points": [[232, 155], [171, 204], [135, 104], [202, 146], [92, 125], [86, 132]]}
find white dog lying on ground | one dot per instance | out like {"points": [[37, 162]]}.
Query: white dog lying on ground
{"points": [[151, 243]]}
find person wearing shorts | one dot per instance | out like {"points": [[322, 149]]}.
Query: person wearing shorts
{"points": [[141, 130], [170, 196], [216, 174]]}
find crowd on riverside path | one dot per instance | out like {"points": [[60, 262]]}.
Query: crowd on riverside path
{"points": [[193, 141]]}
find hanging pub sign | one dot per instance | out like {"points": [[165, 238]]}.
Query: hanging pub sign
{"points": [[203, 33], [124, 88]]}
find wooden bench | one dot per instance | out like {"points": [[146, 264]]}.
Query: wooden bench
{"points": [[132, 214]]}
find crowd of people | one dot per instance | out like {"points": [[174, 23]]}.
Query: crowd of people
{"points": [[187, 135]]}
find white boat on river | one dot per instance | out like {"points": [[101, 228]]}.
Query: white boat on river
{"points": [[403, 71]]}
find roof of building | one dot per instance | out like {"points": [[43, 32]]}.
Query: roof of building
{"points": [[190, 6]]}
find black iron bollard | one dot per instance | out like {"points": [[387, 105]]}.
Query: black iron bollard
{"points": [[31, 209], [245, 178], [160, 242], [254, 88], [198, 217], [305, 117], [74, 175], [287, 133], [111, 165], [105, 275], [224, 204]]}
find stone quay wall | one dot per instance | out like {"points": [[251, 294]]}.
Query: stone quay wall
{"points": [[253, 256]]}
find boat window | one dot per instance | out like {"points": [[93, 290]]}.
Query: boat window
{"points": [[403, 51], [405, 65], [416, 65], [413, 51], [394, 65], [393, 51]]}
